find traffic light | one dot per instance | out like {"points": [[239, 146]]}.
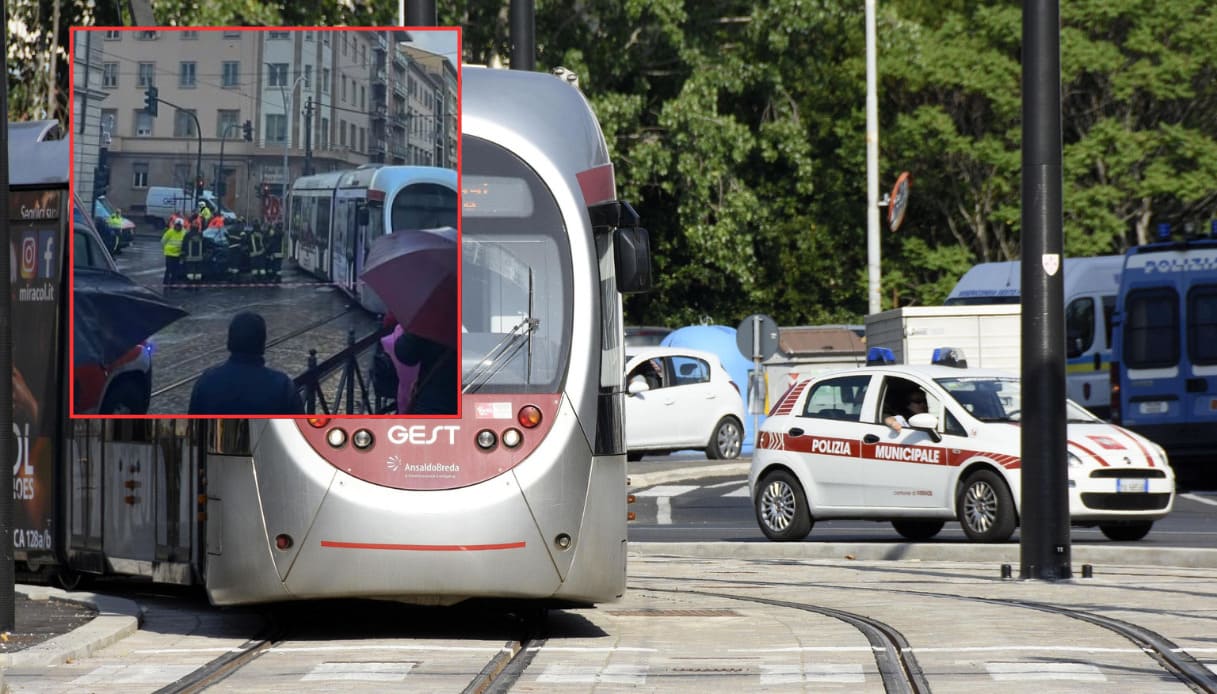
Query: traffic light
{"points": [[150, 100], [101, 179], [248, 127]]}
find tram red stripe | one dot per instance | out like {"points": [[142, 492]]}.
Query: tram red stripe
{"points": [[421, 548]]}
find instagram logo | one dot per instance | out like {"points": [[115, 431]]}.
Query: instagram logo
{"points": [[29, 257]]}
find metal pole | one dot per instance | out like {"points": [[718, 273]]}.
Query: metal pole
{"points": [[523, 43], [872, 166], [419, 13], [220, 172], [8, 576], [1044, 539]]}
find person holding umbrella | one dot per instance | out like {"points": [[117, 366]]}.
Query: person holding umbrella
{"points": [[435, 388], [244, 385]]}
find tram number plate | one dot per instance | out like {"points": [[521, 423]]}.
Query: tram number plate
{"points": [[1126, 485]]}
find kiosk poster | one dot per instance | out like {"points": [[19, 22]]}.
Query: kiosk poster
{"points": [[36, 270]]}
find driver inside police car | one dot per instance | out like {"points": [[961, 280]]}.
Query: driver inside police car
{"points": [[915, 403]]}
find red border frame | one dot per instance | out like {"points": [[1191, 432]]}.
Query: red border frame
{"points": [[71, 405]]}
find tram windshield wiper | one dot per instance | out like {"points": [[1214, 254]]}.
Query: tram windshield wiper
{"points": [[505, 351]]}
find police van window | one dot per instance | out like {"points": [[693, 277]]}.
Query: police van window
{"points": [[1079, 326], [1151, 331], [838, 398], [229, 437], [1109, 310], [1202, 324]]}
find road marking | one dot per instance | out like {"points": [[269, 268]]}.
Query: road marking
{"points": [[728, 483], [134, 674], [667, 490], [170, 651], [591, 674], [809, 649], [1021, 672], [589, 649], [361, 672], [840, 673], [1202, 499], [663, 499]]}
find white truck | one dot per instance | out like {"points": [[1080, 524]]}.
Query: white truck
{"points": [[988, 336]]}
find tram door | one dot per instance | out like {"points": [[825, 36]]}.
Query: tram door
{"points": [[342, 250], [83, 502]]}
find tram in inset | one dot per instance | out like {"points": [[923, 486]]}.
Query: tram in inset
{"points": [[521, 495], [333, 218]]}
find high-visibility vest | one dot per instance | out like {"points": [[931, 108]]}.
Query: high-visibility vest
{"points": [[216, 222], [172, 242], [205, 213]]}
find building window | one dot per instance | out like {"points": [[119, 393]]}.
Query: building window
{"points": [[148, 35], [143, 123], [231, 73], [139, 175], [109, 122], [344, 89], [109, 75], [183, 123], [147, 74], [278, 35], [232, 34], [190, 35], [114, 35], [342, 133], [186, 75], [363, 97], [308, 36], [226, 120], [277, 77], [325, 38], [325, 80], [363, 134], [276, 127], [308, 76], [325, 134], [352, 136]]}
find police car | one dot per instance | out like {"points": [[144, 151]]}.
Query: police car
{"points": [[830, 449]]}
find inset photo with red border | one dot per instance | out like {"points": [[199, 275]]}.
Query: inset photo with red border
{"points": [[265, 222]]}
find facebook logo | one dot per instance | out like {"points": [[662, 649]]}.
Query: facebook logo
{"points": [[46, 264]]}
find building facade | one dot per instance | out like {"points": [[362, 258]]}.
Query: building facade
{"points": [[325, 99]]}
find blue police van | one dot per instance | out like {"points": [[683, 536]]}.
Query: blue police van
{"points": [[1164, 352]]}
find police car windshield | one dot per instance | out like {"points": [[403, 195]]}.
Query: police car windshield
{"points": [[987, 398]]}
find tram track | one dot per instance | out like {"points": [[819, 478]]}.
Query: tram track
{"points": [[290, 335], [1174, 660]]}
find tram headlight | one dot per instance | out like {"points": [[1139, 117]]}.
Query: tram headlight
{"points": [[362, 439], [336, 437], [512, 438], [529, 416], [485, 439]]}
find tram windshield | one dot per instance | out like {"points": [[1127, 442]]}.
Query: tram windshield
{"points": [[516, 276]]}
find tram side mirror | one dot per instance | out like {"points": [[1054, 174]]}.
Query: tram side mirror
{"points": [[361, 216], [632, 249]]}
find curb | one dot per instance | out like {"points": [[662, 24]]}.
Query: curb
{"points": [[116, 619], [1009, 553]]}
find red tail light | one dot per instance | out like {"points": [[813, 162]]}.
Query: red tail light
{"points": [[529, 416], [318, 422], [1114, 374]]}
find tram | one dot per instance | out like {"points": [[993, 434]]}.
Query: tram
{"points": [[522, 495], [333, 218]]}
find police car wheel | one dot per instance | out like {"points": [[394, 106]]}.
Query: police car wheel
{"points": [[1126, 532], [917, 529], [781, 507], [726, 440], [985, 507]]}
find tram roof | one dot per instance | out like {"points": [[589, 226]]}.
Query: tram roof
{"points": [[542, 110], [33, 158]]}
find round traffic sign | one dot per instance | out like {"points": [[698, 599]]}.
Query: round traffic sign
{"points": [[898, 204], [757, 336]]}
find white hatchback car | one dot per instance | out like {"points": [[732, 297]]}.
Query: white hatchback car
{"points": [[681, 398], [826, 452]]}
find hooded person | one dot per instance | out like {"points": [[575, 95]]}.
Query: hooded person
{"points": [[244, 385]]}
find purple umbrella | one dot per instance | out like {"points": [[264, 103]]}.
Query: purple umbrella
{"points": [[414, 274]]}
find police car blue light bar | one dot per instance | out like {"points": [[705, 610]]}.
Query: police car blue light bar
{"points": [[878, 356], [949, 356], [1164, 231]]}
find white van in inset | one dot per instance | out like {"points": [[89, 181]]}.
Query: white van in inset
{"points": [[1091, 285], [163, 201]]}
